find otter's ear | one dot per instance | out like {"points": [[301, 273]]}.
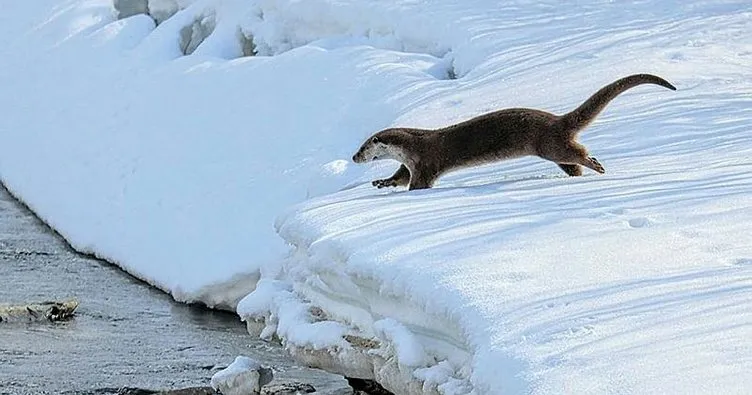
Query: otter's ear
{"points": [[375, 140]]}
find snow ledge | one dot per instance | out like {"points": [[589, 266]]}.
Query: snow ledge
{"points": [[351, 327]]}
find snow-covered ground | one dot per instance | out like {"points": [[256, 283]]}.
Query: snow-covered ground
{"points": [[509, 278]]}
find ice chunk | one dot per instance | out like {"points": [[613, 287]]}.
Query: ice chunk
{"points": [[245, 376]]}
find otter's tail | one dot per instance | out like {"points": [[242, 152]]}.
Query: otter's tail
{"points": [[587, 111]]}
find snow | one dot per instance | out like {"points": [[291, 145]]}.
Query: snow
{"points": [[292, 320], [214, 174], [244, 376], [175, 167], [408, 349]]}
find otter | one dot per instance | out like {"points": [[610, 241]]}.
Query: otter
{"points": [[425, 154]]}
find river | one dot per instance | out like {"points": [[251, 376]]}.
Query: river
{"points": [[125, 333]]}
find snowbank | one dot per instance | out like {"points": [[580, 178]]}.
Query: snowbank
{"points": [[543, 280], [173, 166], [516, 279], [164, 149]]}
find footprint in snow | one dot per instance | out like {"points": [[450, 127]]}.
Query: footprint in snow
{"points": [[640, 222]]}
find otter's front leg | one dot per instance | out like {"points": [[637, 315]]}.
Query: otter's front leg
{"points": [[421, 180], [399, 178]]}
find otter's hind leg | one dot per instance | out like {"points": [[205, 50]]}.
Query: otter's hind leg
{"points": [[592, 163], [572, 170], [576, 154], [399, 178]]}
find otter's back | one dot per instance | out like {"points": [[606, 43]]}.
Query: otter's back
{"points": [[503, 134]]}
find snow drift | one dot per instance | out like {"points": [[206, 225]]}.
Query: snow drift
{"points": [[157, 143]]}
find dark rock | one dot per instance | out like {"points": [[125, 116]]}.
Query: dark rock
{"points": [[369, 387], [287, 389], [190, 391]]}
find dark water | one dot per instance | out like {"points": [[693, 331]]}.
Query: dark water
{"points": [[125, 333]]}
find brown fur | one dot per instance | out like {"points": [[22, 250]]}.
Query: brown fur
{"points": [[505, 134]]}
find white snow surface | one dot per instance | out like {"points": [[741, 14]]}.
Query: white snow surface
{"points": [[507, 278]]}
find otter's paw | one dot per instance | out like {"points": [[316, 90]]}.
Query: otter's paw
{"points": [[597, 166], [384, 183]]}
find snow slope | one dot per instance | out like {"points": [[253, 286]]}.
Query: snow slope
{"points": [[175, 166], [505, 278], [633, 282]]}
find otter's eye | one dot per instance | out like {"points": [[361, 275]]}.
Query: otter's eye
{"points": [[375, 140]]}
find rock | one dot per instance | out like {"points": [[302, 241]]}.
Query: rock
{"points": [[190, 391], [362, 342], [161, 10], [191, 36], [143, 391], [44, 311], [244, 376], [127, 8], [246, 43], [294, 388], [370, 387]]}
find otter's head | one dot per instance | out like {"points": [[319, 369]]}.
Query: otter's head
{"points": [[386, 144]]}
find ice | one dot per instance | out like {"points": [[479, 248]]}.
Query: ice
{"points": [[408, 350], [244, 376], [214, 174]]}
